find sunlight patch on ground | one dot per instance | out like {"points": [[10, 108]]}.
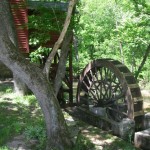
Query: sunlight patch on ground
{"points": [[146, 105], [146, 93], [98, 139]]}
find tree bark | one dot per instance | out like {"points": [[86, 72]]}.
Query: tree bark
{"points": [[143, 61], [57, 132], [62, 62], [20, 88], [60, 39]]}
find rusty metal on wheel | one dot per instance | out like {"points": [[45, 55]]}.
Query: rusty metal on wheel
{"points": [[109, 84]]}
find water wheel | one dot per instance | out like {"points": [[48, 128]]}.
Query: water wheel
{"points": [[109, 84]]}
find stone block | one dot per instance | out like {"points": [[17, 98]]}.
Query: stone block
{"points": [[124, 129], [142, 139], [147, 121], [100, 111]]}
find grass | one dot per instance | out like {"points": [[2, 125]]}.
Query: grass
{"points": [[4, 148], [17, 114], [83, 143], [22, 115]]}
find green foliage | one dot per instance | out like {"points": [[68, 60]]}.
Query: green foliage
{"points": [[114, 29], [6, 89], [42, 22], [4, 148], [36, 132], [40, 55]]}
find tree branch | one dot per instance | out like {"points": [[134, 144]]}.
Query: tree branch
{"points": [[60, 39], [143, 62], [62, 62]]}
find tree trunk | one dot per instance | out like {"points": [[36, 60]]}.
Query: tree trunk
{"points": [[62, 62], [143, 61], [60, 39], [20, 88], [58, 137]]}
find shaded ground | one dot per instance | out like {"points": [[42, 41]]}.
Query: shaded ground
{"points": [[101, 140], [15, 115], [13, 111], [18, 143]]}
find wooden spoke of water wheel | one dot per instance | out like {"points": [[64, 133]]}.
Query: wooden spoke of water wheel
{"points": [[109, 84]]}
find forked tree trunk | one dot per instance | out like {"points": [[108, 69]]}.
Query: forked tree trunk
{"points": [[58, 136]]}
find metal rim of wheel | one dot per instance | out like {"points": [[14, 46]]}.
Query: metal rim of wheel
{"points": [[109, 84]]}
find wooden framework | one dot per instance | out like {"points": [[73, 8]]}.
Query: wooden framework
{"points": [[109, 84]]}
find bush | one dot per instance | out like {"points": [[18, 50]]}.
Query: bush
{"points": [[37, 132]]}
